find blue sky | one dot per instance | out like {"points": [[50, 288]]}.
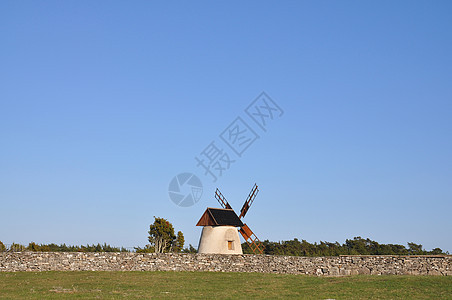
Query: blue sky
{"points": [[102, 103]]}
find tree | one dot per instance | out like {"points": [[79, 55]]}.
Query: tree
{"points": [[415, 248], [434, 251], [2, 247], [357, 246], [179, 243], [17, 247], [146, 249], [161, 235], [190, 249], [33, 247]]}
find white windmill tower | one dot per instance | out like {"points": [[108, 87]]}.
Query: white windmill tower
{"points": [[220, 235]]}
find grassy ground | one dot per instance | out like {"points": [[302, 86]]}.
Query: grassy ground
{"points": [[56, 285]]}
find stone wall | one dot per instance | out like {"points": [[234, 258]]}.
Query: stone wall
{"points": [[327, 266]]}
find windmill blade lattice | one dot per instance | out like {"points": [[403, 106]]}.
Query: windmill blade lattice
{"points": [[251, 239], [222, 200], [249, 200]]}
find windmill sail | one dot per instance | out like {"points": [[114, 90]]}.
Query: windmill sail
{"points": [[249, 200], [222, 200], [251, 239]]}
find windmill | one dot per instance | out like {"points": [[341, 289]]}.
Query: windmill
{"points": [[219, 234]]}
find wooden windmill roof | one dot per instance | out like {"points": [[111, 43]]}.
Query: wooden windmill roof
{"points": [[219, 217]]}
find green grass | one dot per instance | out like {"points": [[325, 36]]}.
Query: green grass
{"points": [[57, 285]]}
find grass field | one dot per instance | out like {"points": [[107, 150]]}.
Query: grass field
{"points": [[57, 285]]}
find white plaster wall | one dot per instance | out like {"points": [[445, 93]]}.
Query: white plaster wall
{"points": [[214, 239]]}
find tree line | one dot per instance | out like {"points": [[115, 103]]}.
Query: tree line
{"points": [[162, 238], [61, 248], [355, 246]]}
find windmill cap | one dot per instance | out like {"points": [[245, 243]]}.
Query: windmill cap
{"points": [[219, 217]]}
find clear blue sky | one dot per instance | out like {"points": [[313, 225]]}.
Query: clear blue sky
{"points": [[103, 102]]}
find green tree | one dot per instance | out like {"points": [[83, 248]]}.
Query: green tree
{"points": [[146, 249], [179, 243], [434, 251], [33, 247], [161, 235], [190, 249], [415, 248], [17, 247], [2, 247]]}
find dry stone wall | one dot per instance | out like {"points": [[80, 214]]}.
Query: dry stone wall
{"points": [[319, 266]]}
